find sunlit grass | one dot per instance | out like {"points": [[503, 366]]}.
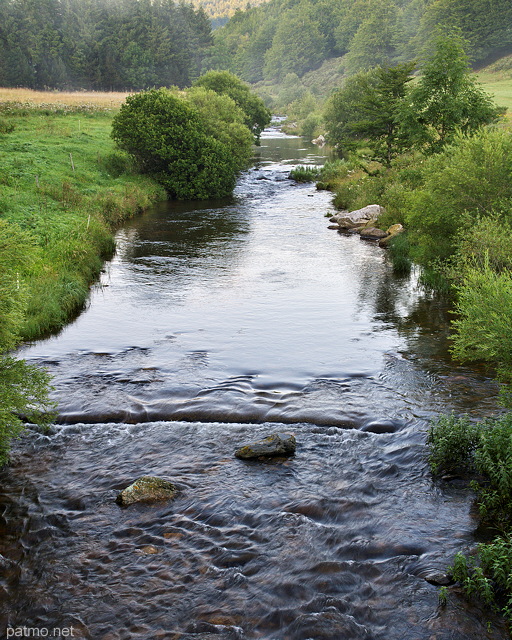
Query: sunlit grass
{"points": [[100, 99]]}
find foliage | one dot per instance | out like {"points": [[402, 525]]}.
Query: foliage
{"points": [[466, 182], [399, 252], [224, 120], [483, 328], [452, 442], [368, 108], [487, 448], [376, 39], [170, 142], [257, 116], [366, 33], [23, 398], [446, 100], [304, 174], [101, 45], [298, 44]]}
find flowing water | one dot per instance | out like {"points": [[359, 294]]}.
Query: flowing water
{"points": [[216, 324]]}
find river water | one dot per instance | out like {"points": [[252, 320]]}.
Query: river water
{"points": [[214, 325]]}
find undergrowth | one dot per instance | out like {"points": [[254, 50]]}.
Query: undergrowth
{"points": [[482, 451]]}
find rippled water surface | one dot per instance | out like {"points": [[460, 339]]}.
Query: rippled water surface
{"points": [[218, 323]]}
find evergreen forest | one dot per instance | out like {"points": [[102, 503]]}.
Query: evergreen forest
{"points": [[296, 36], [108, 45], [128, 45]]}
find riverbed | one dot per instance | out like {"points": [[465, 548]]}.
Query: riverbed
{"points": [[215, 324]]}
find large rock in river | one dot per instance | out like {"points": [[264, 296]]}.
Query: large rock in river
{"points": [[359, 218], [277, 444], [146, 489]]}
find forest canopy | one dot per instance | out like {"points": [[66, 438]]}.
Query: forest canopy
{"points": [[130, 45], [296, 36], [116, 45]]}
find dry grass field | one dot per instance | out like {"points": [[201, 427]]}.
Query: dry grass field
{"points": [[100, 99]]}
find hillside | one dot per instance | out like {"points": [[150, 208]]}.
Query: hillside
{"points": [[222, 10], [283, 37]]}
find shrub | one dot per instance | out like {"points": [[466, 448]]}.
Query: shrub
{"points": [[168, 140], [483, 330], [486, 448], [452, 444], [399, 252], [304, 174]]}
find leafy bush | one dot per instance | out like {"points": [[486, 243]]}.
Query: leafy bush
{"points": [[483, 330], [224, 120], [452, 444], [486, 448], [399, 252], [304, 174], [489, 575], [257, 116], [168, 140]]}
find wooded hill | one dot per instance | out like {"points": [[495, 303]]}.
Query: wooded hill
{"points": [[101, 44], [137, 44], [296, 36]]}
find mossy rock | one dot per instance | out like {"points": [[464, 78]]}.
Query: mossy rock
{"points": [[277, 444], [147, 489]]}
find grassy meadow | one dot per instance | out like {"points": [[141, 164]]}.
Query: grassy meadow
{"points": [[63, 183]]}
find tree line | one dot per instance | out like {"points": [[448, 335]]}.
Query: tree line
{"points": [[101, 44], [295, 36]]}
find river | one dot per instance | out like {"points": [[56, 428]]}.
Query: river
{"points": [[216, 324]]}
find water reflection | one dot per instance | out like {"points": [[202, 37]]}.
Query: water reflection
{"points": [[215, 324]]}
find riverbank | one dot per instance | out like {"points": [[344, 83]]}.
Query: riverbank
{"points": [[67, 188]]}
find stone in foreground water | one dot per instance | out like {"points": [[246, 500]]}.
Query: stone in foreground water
{"points": [[146, 489], [277, 444]]}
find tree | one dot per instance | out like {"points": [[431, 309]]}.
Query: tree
{"points": [[298, 45], [168, 140], [374, 43], [224, 121], [446, 99], [367, 109], [257, 116]]}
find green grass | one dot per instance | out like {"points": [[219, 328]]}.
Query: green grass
{"points": [[499, 85], [62, 180]]}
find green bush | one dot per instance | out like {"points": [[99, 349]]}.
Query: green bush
{"points": [[169, 142], [399, 252], [486, 449], [467, 182], [452, 441], [304, 174], [483, 330], [257, 116]]}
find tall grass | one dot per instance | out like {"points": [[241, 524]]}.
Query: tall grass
{"points": [[63, 182]]}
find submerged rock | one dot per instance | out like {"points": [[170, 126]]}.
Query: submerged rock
{"points": [[146, 489], [439, 579], [277, 444]]}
